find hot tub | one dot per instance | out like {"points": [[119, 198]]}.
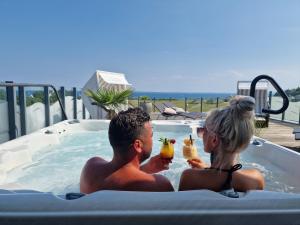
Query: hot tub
{"points": [[37, 170]]}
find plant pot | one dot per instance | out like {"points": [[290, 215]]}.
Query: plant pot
{"points": [[146, 106]]}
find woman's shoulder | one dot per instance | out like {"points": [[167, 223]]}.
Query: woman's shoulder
{"points": [[192, 172], [192, 179], [250, 179]]}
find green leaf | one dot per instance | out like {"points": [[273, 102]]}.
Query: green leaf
{"points": [[110, 99]]}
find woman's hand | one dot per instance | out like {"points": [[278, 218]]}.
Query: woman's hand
{"points": [[197, 163], [156, 164]]}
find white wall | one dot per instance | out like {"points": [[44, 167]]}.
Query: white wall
{"points": [[4, 122], [35, 116]]}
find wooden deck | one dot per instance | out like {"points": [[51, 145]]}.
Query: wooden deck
{"points": [[280, 133]]}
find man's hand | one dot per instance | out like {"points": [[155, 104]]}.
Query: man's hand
{"points": [[156, 164], [197, 163]]}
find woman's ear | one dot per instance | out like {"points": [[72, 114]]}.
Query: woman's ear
{"points": [[215, 141], [138, 145]]}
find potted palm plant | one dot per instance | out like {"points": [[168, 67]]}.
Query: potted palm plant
{"points": [[145, 104], [109, 100]]}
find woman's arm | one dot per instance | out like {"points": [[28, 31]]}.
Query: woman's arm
{"points": [[197, 163]]}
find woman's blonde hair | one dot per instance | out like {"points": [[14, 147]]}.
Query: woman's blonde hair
{"points": [[234, 125]]}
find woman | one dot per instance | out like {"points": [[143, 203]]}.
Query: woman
{"points": [[227, 132]]}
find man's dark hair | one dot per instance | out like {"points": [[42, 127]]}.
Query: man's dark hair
{"points": [[125, 127]]}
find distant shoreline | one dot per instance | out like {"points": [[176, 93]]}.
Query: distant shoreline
{"points": [[181, 95]]}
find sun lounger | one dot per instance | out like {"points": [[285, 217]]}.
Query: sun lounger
{"points": [[181, 111], [167, 111]]}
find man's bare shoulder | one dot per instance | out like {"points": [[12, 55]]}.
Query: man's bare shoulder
{"points": [[93, 169], [96, 161]]}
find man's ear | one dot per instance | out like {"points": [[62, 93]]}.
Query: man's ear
{"points": [[138, 145]]}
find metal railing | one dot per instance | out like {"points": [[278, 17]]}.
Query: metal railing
{"points": [[200, 104], [10, 89], [285, 106], [292, 113]]}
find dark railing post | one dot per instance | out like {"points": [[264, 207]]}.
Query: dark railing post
{"points": [[59, 98], [47, 106], [83, 111], [138, 103], [201, 105], [153, 104], [217, 102], [270, 99], [283, 116], [74, 103], [62, 97], [22, 102], [185, 104], [11, 111]]}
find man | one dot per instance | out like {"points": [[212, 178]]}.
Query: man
{"points": [[130, 135]]}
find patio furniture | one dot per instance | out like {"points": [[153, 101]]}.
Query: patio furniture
{"points": [[181, 111], [165, 111], [103, 80], [261, 100], [297, 133], [168, 112]]}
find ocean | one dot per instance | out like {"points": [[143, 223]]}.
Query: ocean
{"points": [[181, 95], [157, 95]]}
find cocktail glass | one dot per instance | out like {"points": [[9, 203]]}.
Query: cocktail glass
{"points": [[167, 150], [189, 149]]}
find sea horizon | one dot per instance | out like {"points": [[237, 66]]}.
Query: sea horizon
{"points": [[181, 95]]}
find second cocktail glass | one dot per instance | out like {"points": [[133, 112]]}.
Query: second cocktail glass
{"points": [[189, 149]]}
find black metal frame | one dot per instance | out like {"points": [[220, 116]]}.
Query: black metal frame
{"points": [[285, 103], [74, 103]]}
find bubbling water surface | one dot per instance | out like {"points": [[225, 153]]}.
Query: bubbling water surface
{"points": [[57, 168]]}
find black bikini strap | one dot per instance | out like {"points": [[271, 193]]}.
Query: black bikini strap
{"points": [[236, 167], [231, 170], [227, 185]]}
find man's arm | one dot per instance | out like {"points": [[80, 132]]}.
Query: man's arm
{"points": [[155, 164]]}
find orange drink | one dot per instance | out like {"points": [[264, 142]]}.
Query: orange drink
{"points": [[189, 149], [167, 149]]}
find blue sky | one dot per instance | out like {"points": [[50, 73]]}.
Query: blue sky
{"points": [[161, 45]]}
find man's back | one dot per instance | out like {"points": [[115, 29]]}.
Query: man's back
{"points": [[99, 174]]}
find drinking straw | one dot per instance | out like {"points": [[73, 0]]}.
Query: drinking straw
{"points": [[191, 139]]}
